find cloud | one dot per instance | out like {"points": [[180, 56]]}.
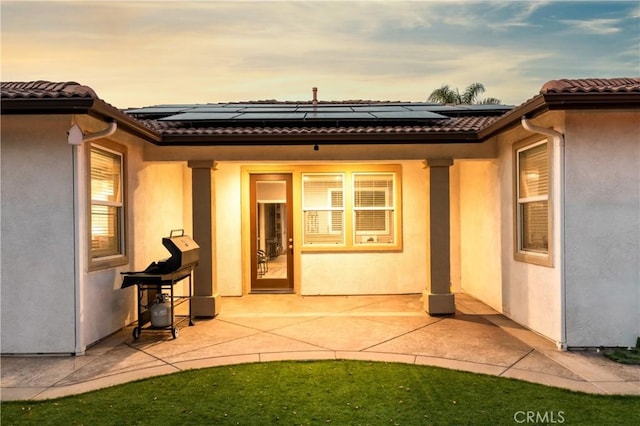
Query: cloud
{"points": [[598, 26], [137, 53]]}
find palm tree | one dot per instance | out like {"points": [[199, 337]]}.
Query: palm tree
{"points": [[447, 95]]}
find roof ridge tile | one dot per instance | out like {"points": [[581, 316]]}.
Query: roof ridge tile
{"points": [[591, 85], [45, 89]]}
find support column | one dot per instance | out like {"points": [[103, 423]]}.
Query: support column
{"points": [[438, 299], [205, 300]]}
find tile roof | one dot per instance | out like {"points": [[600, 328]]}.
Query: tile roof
{"points": [[456, 121], [45, 90], [452, 125], [592, 85]]}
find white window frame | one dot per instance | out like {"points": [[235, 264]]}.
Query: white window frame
{"points": [[521, 253], [98, 259]]}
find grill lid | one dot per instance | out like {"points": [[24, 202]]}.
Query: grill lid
{"points": [[184, 251]]}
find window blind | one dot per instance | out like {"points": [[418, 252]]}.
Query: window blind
{"points": [[534, 172], [323, 208], [106, 203], [533, 198], [373, 207]]}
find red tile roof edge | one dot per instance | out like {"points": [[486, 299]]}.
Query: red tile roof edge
{"points": [[592, 85], [456, 124], [46, 89]]}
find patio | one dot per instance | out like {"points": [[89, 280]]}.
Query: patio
{"points": [[261, 328]]}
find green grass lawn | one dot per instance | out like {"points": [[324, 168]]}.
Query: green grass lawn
{"points": [[326, 392]]}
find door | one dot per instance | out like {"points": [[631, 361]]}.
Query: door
{"points": [[271, 233]]}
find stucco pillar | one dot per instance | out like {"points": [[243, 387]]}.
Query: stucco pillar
{"points": [[438, 299], [205, 301]]}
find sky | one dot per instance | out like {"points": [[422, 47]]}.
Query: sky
{"points": [[143, 53]]}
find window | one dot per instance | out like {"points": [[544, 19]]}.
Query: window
{"points": [[323, 208], [106, 218], [532, 203], [351, 209], [373, 208]]}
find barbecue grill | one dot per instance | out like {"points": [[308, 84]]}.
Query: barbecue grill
{"points": [[164, 275]]}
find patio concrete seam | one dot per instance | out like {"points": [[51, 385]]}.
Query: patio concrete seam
{"points": [[617, 388], [298, 340], [437, 320], [398, 336], [266, 331], [517, 361]]}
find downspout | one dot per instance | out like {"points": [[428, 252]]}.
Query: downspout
{"points": [[76, 138], [558, 140]]}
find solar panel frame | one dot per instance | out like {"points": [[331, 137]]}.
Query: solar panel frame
{"points": [[339, 116], [267, 110], [324, 108], [379, 108], [435, 108], [260, 105], [155, 110], [269, 116], [409, 115], [200, 116], [204, 109]]}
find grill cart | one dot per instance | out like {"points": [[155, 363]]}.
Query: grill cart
{"points": [[163, 276]]}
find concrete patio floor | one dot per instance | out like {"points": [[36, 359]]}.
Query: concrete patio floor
{"points": [[261, 328]]}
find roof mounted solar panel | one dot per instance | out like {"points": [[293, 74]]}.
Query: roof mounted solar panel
{"points": [[261, 105], [339, 116], [201, 116], [325, 108], [434, 108], [408, 115], [376, 108], [265, 116], [269, 109], [212, 108], [157, 110]]}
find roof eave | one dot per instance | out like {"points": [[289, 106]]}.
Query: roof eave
{"points": [[595, 100], [560, 101], [326, 139], [32, 106], [96, 108]]}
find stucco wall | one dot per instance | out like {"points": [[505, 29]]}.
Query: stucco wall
{"points": [[51, 302], [37, 235], [480, 242], [603, 228], [155, 207], [378, 273], [228, 229], [531, 294], [359, 273]]}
